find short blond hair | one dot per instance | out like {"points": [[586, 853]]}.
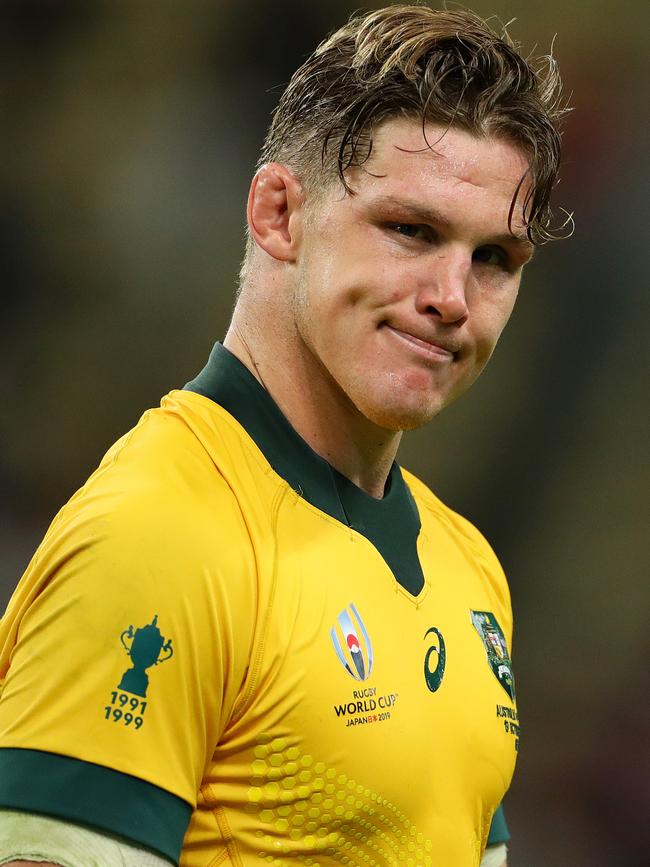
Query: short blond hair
{"points": [[445, 67]]}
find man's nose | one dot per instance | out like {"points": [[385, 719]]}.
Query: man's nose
{"points": [[443, 290]]}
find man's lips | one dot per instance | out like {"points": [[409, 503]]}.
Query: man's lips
{"points": [[437, 348]]}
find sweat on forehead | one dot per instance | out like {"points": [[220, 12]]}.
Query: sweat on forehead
{"points": [[403, 151]]}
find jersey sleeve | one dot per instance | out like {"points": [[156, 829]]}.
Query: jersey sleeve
{"points": [[126, 647], [499, 832]]}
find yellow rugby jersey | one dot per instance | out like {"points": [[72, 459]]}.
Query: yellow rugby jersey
{"points": [[226, 652]]}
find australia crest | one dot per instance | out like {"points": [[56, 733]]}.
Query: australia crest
{"points": [[496, 648]]}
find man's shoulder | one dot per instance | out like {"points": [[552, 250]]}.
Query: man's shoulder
{"points": [[166, 483], [431, 502], [155, 523], [432, 507], [180, 433], [187, 450]]}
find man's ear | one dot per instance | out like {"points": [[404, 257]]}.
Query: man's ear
{"points": [[273, 211]]}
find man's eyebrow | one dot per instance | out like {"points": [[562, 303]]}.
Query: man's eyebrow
{"points": [[412, 210], [420, 214]]}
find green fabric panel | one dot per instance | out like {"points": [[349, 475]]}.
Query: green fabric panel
{"points": [[392, 524], [498, 829], [94, 796]]}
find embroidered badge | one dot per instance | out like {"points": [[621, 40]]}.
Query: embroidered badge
{"points": [[496, 648]]}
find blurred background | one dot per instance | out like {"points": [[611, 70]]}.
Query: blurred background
{"points": [[129, 135]]}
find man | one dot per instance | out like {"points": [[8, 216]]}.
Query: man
{"points": [[250, 637]]}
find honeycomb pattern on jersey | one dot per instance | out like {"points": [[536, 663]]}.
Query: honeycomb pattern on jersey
{"points": [[312, 811]]}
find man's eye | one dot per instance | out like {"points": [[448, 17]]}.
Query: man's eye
{"points": [[409, 230], [491, 256]]}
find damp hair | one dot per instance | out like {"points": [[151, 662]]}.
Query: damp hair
{"points": [[447, 67]]}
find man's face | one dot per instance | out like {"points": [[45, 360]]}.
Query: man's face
{"points": [[403, 289]]}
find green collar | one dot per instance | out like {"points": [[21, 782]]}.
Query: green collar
{"points": [[391, 524]]}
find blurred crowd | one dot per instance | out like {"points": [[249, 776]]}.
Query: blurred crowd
{"points": [[129, 135]]}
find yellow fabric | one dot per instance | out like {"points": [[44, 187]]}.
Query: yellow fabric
{"points": [[187, 530]]}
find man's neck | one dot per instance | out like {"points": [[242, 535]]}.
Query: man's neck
{"points": [[318, 410]]}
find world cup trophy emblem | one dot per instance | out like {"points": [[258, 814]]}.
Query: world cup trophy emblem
{"points": [[147, 647]]}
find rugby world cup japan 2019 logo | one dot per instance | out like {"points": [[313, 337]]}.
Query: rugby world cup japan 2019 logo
{"points": [[352, 643]]}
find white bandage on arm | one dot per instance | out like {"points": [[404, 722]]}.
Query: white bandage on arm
{"points": [[30, 837], [495, 856]]}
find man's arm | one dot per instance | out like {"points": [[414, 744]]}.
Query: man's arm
{"points": [[496, 850], [127, 561], [50, 864], [495, 856], [24, 836]]}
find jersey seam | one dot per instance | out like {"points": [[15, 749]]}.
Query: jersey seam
{"points": [[415, 600], [259, 457], [220, 858], [247, 687], [237, 428], [259, 643], [227, 835]]}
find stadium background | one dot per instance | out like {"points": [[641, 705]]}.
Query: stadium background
{"points": [[129, 134]]}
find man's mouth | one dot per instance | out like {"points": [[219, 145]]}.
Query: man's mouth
{"points": [[435, 348]]}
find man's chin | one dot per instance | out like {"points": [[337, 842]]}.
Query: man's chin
{"points": [[401, 418]]}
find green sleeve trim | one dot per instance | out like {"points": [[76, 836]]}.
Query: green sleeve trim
{"points": [[499, 829], [94, 796]]}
